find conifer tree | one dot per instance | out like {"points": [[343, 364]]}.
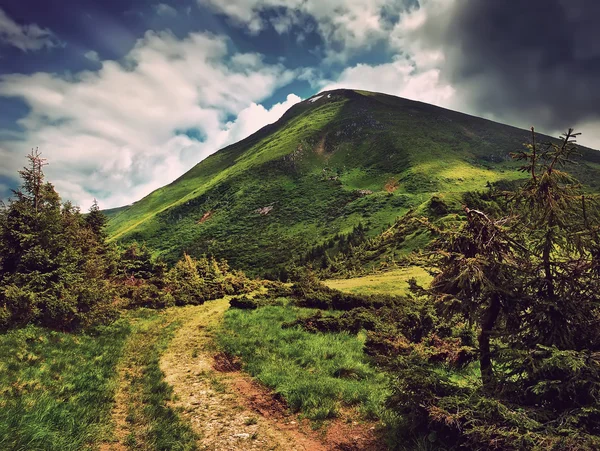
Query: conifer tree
{"points": [[530, 278], [49, 273], [96, 220]]}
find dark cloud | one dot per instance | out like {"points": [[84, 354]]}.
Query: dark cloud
{"points": [[529, 60]]}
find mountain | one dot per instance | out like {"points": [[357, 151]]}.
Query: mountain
{"points": [[332, 161]]}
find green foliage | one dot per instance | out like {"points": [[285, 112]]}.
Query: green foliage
{"points": [[311, 293], [243, 303], [527, 285], [185, 284], [96, 220], [54, 265], [56, 269], [137, 262], [146, 281]]}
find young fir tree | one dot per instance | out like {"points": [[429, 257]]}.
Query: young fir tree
{"points": [[530, 278], [96, 221], [528, 284], [47, 271]]}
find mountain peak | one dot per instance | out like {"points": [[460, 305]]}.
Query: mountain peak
{"points": [[335, 93], [336, 159]]}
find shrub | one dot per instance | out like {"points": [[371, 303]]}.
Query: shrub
{"points": [[243, 302], [184, 283]]}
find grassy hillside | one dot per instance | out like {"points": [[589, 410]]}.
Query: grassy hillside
{"points": [[328, 163]]}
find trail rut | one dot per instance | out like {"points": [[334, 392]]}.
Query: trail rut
{"points": [[227, 409]]}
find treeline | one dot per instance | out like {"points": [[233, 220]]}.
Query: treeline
{"points": [[355, 253], [57, 269]]}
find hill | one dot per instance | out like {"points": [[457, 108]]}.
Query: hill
{"points": [[337, 159]]}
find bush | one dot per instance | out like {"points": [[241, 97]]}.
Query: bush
{"points": [[311, 293], [243, 303], [184, 283], [145, 294], [352, 322]]}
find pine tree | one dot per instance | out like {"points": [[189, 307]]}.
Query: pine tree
{"points": [[49, 271], [477, 270], [33, 179], [531, 277], [556, 230], [527, 284], [96, 221]]}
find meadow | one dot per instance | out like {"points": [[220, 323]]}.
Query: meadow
{"points": [[59, 389], [393, 282]]}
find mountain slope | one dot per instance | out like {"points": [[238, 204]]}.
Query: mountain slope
{"points": [[331, 161]]}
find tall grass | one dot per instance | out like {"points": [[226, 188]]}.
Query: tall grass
{"points": [[57, 389], [317, 374]]}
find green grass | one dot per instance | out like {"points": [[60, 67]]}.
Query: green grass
{"points": [[394, 282], [152, 423], [57, 389], [317, 374]]}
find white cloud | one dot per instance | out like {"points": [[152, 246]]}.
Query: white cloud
{"points": [[162, 9], [345, 25], [119, 133], [254, 117], [399, 78], [24, 37], [354, 26], [590, 133]]}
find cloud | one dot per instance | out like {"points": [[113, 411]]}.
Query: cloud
{"points": [[92, 55], [162, 9], [534, 62], [400, 78], [255, 116], [345, 26], [25, 37], [124, 130]]}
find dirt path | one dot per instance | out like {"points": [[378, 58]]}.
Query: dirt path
{"points": [[227, 409]]}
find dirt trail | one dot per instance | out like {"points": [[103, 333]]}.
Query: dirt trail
{"points": [[227, 409]]}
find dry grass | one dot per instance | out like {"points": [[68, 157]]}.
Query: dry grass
{"points": [[393, 282]]}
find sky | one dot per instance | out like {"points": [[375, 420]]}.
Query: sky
{"points": [[124, 96]]}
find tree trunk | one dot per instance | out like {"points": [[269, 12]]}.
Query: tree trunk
{"points": [[487, 325], [546, 257]]}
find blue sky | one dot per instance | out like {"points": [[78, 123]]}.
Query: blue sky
{"points": [[123, 96]]}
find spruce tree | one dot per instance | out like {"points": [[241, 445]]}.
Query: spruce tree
{"points": [[49, 271], [530, 278], [96, 220]]}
